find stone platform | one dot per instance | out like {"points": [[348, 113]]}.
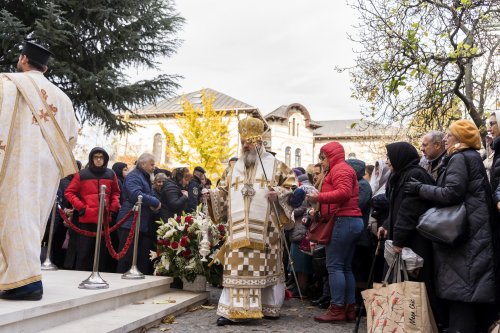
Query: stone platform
{"points": [[125, 306]]}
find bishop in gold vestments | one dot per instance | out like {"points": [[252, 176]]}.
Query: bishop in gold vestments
{"points": [[254, 200]]}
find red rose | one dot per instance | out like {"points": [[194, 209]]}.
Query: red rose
{"points": [[189, 219], [186, 253], [178, 218], [184, 241], [174, 245], [163, 242], [186, 227], [221, 228]]}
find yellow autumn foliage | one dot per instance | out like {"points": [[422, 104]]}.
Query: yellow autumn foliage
{"points": [[204, 138]]}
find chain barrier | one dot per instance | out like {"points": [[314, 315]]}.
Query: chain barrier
{"points": [[108, 231], [128, 242]]}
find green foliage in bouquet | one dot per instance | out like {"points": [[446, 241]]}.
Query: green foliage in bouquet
{"points": [[178, 245]]}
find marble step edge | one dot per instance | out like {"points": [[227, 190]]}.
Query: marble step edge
{"points": [[99, 300], [133, 317]]}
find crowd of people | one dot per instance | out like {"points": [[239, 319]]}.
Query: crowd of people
{"points": [[258, 197], [164, 194], [369, 203]]}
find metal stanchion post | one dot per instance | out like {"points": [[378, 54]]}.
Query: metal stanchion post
{"points": [[47, 264], [94, 281], [134, 273]]}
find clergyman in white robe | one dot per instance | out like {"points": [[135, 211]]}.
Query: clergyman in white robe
{"points": [[38, 129]]}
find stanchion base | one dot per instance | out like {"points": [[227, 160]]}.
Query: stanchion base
{"points": [[49, 266], [94, 281], [133, 274]]}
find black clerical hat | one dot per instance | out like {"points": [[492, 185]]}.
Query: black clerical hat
{"points": [[37, 54]]}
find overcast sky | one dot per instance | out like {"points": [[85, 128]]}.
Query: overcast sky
{"points": [[268, 53]]}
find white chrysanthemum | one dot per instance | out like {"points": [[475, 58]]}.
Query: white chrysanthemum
{"points": [[191, 264], [165, 262]]}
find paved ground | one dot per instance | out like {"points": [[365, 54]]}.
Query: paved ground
{"points": [[295, 317]]}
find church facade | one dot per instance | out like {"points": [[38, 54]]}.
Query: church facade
{"points": [[291, 134]]}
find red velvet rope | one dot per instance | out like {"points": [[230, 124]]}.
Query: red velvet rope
{"points": [[74, 227], [90, 233], [128, 242], [108, 231]]}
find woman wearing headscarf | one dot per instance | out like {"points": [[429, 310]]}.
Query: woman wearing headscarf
{"points": [[464, 272], [338, 196], [405, 209], [174, 195], [120, 169]]}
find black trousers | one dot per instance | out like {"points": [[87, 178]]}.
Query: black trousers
{"points": [[85, 248], [146, 244]]}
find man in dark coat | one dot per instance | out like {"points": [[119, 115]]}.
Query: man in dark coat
{"points": [[194, 188], [138, 182]]}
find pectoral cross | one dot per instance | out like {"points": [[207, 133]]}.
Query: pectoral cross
{"points": [[2, 147]]}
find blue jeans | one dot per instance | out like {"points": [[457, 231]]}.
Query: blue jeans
{"points": [[339, 253]]}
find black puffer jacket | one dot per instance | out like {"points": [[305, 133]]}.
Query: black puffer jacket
{"points": [[405, 209], [172, 200], [495, 171], [465, 272]]}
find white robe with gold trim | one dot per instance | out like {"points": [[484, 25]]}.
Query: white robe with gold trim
{"points": [[29, 172], [253, 276]]}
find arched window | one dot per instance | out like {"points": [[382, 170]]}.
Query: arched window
{"points": [[293, 126], [288, 155], [297, 157], [157, 147]]}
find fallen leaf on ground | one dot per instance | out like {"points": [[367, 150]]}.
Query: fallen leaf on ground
{"points": [[164, 329], [293, 309], [194, 308], [311, 307], [208, 307], [170, 319], [163, 301], [136, 303]]}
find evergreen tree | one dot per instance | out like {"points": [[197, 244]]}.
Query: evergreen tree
{"points": [[204, 138], [94, 42]]}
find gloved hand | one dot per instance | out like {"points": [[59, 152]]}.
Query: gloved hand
{"points": [[413, 186]]}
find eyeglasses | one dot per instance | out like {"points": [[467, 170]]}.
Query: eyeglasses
{"points": [[98, 157], [492, 123]]}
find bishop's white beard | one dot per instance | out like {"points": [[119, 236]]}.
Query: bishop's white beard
{"points": [[249, 158]]}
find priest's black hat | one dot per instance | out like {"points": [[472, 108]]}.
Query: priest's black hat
{"points": [[37, 54]]}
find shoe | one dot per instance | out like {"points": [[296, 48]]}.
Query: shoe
{"points": [[322, 299], [350, 312], [223, 321], [29, 292], [325, 304], [334, 314], [271, 318]]}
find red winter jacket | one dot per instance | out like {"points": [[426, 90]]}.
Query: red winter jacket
{"points": [[83, 193], [340, 191]]}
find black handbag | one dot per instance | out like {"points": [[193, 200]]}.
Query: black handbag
{"points": [[444, 225]]}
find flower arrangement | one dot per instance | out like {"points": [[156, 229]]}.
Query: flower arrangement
{"points": [[178, 248]]}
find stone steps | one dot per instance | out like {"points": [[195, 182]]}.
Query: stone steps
{"points": [[125, 306]]}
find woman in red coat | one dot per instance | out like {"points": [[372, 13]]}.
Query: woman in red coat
{"points": [[338, 196]]}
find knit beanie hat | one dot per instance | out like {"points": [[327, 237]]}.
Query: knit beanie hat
{"points": [[467, 133]]}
